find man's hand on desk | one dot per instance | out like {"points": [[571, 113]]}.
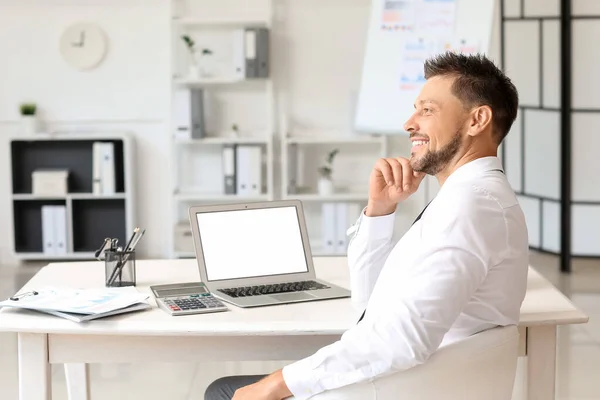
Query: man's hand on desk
{"points": [[272, 387]]}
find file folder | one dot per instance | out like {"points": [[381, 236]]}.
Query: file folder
{"points": [[248, 170], [329, 228], [251, 53], [188, 111], [229, 169], [97, 168], [242, 159], [48, 239], [60, 229], [239, 54], [108, 169], [262, 52], [255, 170], [341, 223]]}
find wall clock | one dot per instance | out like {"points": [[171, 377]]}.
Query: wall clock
{"points": [[83, 46]]}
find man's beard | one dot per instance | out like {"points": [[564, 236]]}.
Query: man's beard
{"points": [[435, 161]]}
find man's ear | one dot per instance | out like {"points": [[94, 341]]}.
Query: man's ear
{"points": [[480, 120]]}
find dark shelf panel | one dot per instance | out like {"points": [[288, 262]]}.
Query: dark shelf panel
{"points": [[28, 224], [95, 220], [74, 155]]}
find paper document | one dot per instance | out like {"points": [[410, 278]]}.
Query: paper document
{"points": [[78, 301], [89, 317]]}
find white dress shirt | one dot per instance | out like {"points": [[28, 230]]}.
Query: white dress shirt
{"points": [[461, 269]]}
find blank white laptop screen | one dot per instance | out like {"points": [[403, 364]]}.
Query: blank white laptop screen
{"points": [[251, 243]]}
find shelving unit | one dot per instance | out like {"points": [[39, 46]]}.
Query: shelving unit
{"points": [[297, 185], [224, 22], [197, 163], [89, 217], [294, 150]]}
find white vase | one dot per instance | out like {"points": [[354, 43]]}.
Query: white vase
{"points": [[194, 72], [29, 124], [325, 186]]}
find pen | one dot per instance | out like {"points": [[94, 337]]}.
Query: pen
{"points": [[135, 231], [130, 247]]}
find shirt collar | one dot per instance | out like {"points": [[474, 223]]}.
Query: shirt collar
{"points": [[474, 168]]}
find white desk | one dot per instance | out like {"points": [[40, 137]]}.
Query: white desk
{"points": [[285, 332]]}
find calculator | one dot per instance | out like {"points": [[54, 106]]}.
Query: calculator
{"points": [[186, 298]]}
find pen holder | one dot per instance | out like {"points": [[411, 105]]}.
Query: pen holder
{"points": [[119, 268]]}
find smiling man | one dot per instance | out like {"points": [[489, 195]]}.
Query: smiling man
{"points": [[459, 270]]}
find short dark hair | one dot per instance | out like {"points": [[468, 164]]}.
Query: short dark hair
{"points": [[479, 82]]}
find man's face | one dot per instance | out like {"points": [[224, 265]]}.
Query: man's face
{"points": [[436, 126]]}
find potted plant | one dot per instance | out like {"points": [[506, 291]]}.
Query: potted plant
{"points": [[325, 184], [235, 130], [195, 69], [29, 118]]}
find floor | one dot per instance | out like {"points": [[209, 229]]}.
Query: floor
{"points": [[578, 366]]}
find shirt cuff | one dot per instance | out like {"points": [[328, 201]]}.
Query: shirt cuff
{"points": [[300, 380], [381, 227]]}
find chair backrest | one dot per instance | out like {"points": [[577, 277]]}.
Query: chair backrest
{"points": [[482, 366]]}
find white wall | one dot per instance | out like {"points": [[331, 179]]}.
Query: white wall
{"points": [[128, 92], [318, 47]]}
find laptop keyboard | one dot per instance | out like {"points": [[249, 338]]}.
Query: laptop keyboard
{"points": [[273, 289]]}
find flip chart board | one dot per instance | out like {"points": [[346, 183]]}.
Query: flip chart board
{"points": [[402, 34]]}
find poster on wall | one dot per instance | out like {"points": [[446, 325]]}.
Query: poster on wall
{"points": [[398, 15], [435, 17], [403, 34]]}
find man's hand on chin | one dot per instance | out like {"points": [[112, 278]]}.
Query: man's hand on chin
{"points": [[272, 387]]}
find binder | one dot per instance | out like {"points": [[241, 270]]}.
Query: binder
{"points": [[239, 54], [242, 160], [251, 53], [188, 113], [248, 170], [97, 168], [48, 239], [293, 169], [262, 52], [60, 229], [254, 170], [197, 113], [341, 225], [329, 228], [108, 169], [229, 167]]}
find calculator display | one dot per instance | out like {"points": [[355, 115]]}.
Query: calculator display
{"points": [[182, 291]]}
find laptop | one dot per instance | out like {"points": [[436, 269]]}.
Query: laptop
{"points": [[257, 254]]}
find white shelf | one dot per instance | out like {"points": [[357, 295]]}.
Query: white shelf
{"points": [[334, 139], [73, 196], [230, 22], [190, 196], [184, 254], [317, 251], [315, 197], [91, 196], [225, 140], [221, 80], [43, 256]]}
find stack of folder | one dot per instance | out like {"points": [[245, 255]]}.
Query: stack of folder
{"points": [[80, 305], [242, 170]]}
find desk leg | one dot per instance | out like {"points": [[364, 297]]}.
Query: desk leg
{"points": [[541, 362], [34, 369], [78, 381]]}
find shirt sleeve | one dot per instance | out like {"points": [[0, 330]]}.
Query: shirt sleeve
{"points": [[449, 266], [368, 249]]}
